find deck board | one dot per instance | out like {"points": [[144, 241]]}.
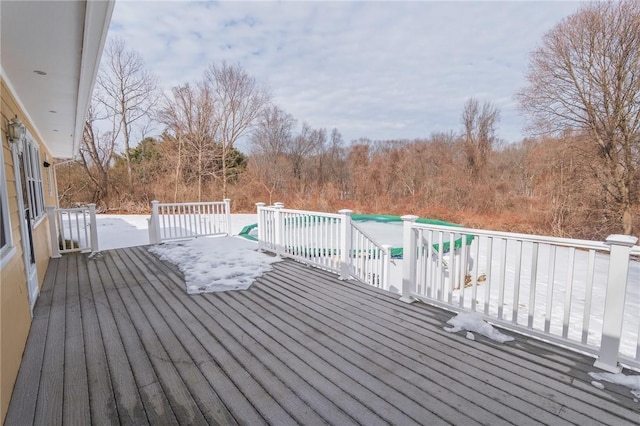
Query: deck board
{"points": [[76, 407], [331, 353], [50, 392], [370, 347], [197, 341], [128, 401], [155, 402], [116, 340], [100, 389], [492, 360], [23, 409], [141, 312]]}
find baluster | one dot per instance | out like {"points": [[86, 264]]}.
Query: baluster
{"points": [[489, 269], [532, 285], [586, 318], [568, 293], [501, 283], [516, 285], [474, 272], [550, 285]]}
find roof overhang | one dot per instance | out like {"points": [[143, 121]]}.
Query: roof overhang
{"points": [[64, 40]]}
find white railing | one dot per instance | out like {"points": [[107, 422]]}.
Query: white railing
{"points": [[175, 221], [73, 230], [577, 293], [567, 291], [326, 240], [370, 261]]}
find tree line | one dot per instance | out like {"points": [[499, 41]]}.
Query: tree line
{"points": [[576, 176]]}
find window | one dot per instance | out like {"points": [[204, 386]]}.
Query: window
{"points": [[33, 177], [4, 222]]}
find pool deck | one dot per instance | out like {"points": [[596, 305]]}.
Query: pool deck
{"points": [[116, 340]]}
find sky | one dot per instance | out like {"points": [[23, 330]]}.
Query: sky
{"points": [[380, 70]]}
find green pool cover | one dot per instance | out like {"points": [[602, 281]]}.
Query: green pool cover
{"points": [[396, 252]]}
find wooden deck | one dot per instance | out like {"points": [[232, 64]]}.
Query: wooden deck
{"points": [[116, 340]]}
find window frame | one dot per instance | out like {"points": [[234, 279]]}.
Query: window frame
{"points": [[31, 159], [7, 249]]}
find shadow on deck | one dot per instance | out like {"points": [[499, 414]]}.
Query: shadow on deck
{"points": [[116, 340]]}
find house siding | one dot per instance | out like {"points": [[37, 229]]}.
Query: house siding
{"points": [[15, 312]]}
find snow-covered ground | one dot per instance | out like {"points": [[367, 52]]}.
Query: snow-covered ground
{"points": [[130, 230]]}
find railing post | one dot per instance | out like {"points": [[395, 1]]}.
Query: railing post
{"points": [[261, 225], [386, 264], [93, 227], [614, 302], [227, 209], [345, 244], [53, 232], [154, 224], [409, 251], [279, 228]]}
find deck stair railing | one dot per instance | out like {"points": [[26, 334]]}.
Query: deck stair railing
{"points": [[175, 221], [73, 230], [533, 284], [326, 240], [370, 261]]}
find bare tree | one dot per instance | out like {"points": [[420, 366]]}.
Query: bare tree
{"points": [[189, 114], [586, 77], [272, 133], [128, 91], [336, 159], [270, 141], [96, 154], [479, 133], [308, 143], [240, 101]]}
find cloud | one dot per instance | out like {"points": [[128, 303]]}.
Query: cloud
{"points": [[371, 69]]}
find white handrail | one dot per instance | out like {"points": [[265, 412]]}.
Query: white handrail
{"points": [[370, 261], [529, 283], [326, 240], [174, 221], [73, 230]]}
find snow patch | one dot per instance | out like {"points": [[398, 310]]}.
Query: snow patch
{"points": [[597, 385], [213, 264], [470, 336], [632, 381], [472, 321]]}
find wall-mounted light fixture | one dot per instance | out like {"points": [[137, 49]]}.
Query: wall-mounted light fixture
{"points": [[16, 130], [46, 162]]}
